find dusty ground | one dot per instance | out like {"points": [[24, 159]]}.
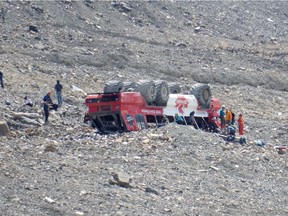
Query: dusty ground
{"points": [[239, 48]]}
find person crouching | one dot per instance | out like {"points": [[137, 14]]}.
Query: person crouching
{"points": [[47, 98]]}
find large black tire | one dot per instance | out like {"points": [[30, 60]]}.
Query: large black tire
{"points": [[113, 86], [162, 93], [203, 94], [174, 88], [128, 86], [147, 89]]}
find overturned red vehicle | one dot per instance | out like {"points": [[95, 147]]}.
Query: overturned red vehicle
{"points": [[134, 106]]}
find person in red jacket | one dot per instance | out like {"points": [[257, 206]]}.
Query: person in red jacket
{"points": [[240, 122]]}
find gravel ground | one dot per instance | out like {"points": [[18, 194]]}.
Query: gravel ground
{"points": [[65, 167]]}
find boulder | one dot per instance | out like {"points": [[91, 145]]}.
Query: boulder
{"points": [[18, 115], [50, 148], [29, 121], [33, 28], [121, 179], [4, 129], [151, 190], [124, 8]]}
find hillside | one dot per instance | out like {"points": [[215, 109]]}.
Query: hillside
{"points": [[238, 47]]}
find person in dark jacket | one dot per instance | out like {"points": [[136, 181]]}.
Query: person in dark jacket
{"points": [[213, 126], [191, 120], [46, 111], [47, 99], [165, 120], [1, 79], [233, 117], [58, 89]]}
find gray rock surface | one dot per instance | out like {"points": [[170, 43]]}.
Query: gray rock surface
{"points": [[63, 168], [4, 129]]}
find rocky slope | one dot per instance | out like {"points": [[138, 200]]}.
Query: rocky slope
{"points": [[239, 48]]}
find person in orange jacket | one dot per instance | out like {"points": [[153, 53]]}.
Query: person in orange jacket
{"points": [[228, 117], [240, 122]]}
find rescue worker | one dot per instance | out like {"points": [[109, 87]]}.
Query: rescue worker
{"points": [[46, 111], [47, 98], [86, 118], [222, 116], [1, 79], [212, 125], [165, 120], [240, 122], [233, 117], [58, 89], [179, 119], [228, 117], [231, 130], [191, 120]]}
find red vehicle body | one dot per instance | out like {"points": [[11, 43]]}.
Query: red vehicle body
{"points": [[128, 111]]}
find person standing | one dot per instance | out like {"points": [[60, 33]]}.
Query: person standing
{"points": [[222, 117], [58, 89], [46, 111], [165, 120], [233, 117], [212, 125], [228, 117], [192, 121], [240, 122], [1, 79]]}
